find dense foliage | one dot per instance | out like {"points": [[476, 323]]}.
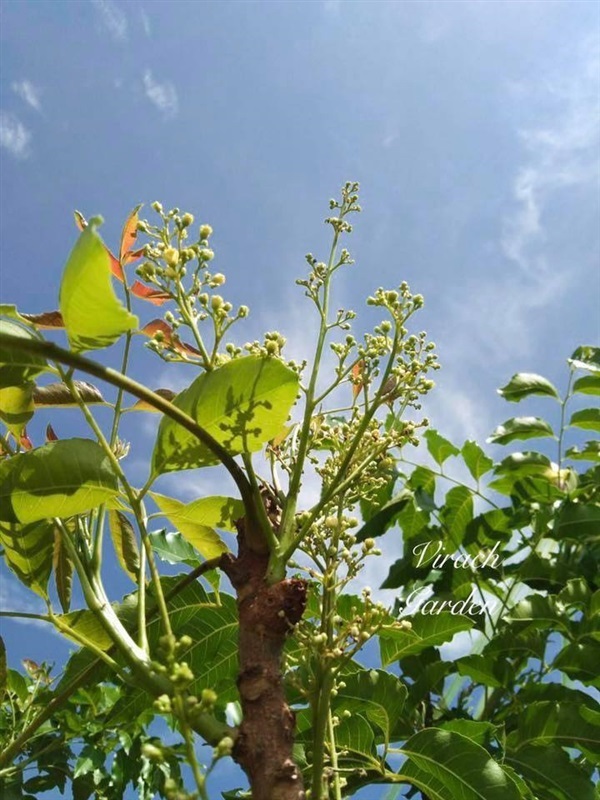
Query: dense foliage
{"points": [[501, 551]]}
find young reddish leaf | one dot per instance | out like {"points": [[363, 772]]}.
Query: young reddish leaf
{"points": [[357, 378], [170, 338], [57, 394], [50, 434], [63, 571], [115, 266], [25, 441], [45, 320], [143, 405], [129, 235], [154, 296], [133, 255]]}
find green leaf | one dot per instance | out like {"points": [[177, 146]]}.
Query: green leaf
{"points": [[16, 406], [85, 624], [446, 766], [588, 384], [487, 670], [439, 448], [550, 771], [586, 418], [521, 428], [173, 548], [590, 452], [125, 543], [355, 735], [63, 570], [59, 479], [28, 553], [197, 520], [525, 384], [478, 732], [577, 521], [93, 315], [381, 521], [16, 367], [586, 357], [457, 512], [427, 631], [242, 405], [555, 723], [3, 670], [580, 662], [377, 694], [476, 460]]}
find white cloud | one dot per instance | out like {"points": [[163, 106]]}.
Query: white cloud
{"points": [[162, 95], [112, 19], [14, 597], [14, 136], [29, 93], [146, 23]]}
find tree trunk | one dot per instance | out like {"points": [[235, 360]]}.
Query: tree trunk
{"points": [[267, 614]]}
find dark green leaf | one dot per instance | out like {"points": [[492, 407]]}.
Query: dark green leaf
{"points": [[378, 695], [3, 669], [446, 766], [577, 521], [242, 405], [521, 428], [525, 384], [580, 662], [439, 448], [552, 773], [381, 521], [60, 396], [456, 513], [28, 552], [17, 367], [63, 570], [59, 479], [556, 723], [427, 631], [173, 548]]}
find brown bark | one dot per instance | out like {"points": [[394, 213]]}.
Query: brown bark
{"points": [[267, 614]]}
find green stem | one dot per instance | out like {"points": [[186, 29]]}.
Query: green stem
{"points": [[563, 410], [337, 787]]}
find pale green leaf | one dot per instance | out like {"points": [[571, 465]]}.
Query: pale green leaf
{"points": [[59, 479], [588, 384], [525, 384], [589, 452], [476, 460], [16, 406], [93, 315], [242, 405], [586, 418], [439, 447]]}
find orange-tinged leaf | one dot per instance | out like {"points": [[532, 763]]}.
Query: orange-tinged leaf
{"points": [[50, 434], [45, 320], [80, 220], [170, 338], [144, 405], [357, 378], [133, 255], [129, 234], [154, 296], [25, 441]]}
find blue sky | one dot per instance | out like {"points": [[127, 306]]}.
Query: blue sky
{"points": [[473, 128]]}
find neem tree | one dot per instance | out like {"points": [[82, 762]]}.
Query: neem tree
{"points": [[274, 676]]}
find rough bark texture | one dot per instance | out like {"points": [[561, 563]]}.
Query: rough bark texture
{"points": [[267, 614]]}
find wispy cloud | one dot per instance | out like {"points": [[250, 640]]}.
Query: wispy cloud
{"points": [[14, 597], [29, 93], [112, 19], [146, 23], [162, 95], [14, 136]]}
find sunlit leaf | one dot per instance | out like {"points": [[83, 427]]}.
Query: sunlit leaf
{"points": [[85, 625], [586, 418], [155, 296], [17, 367], [525, 384], [446, 765], [125, 543], [59, 395], [115, 266], [242, 405], [588, 384], [478, 463], [93, 315], [59, 479], [586, 357], [589, 452], [439, 447], [16, 406], [521, 428], [28, 553], [63, 570]]}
